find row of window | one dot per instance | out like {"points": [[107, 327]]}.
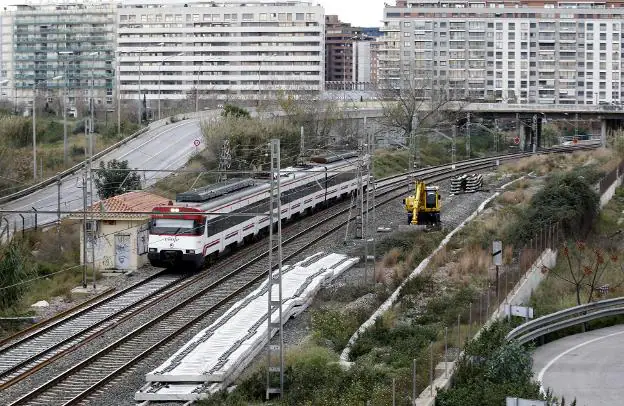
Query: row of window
{"points": [[145, 18], [482, 25]]}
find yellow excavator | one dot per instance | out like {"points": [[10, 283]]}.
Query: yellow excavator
{"points": [[423, 208]]}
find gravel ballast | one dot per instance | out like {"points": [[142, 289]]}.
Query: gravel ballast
{"points": [[121, 390]]}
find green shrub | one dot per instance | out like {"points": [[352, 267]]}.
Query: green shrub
{"points": [[334, 327], [490, 370], [566, 199], [16, 131], [16, 266]]}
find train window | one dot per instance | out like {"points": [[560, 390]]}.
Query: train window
{"points": [[175, 227]]}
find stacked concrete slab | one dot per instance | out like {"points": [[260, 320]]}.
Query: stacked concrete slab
{"points": [[466, 183], [217, 354]]}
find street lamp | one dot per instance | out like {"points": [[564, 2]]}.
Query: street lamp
{"points": [[66, 53], [159, 76], [91, 99], [34, 119], [139, 52]]}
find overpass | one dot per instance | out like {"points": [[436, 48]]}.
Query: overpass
{"points": [[529, 117]]}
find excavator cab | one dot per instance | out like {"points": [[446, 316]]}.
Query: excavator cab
{"points": [[423, 208]]}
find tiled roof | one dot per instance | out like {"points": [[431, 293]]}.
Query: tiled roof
{"points": [[127, 205]]}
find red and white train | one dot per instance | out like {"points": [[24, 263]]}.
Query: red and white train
{"points": [[183, 234]]}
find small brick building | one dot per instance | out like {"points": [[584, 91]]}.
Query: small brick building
{"points": [[121, 230]]}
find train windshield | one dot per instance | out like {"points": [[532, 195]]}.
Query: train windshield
{"points": [[176, 227]]}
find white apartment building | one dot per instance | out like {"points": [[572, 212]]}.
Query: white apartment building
{"points": [[68, 40], [247, 49], [510, 51], [362, 61]]}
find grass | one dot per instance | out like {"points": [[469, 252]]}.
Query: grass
{"points": [[388, 163], [603, 160], [555, 294], [16, 148], [55, 258]]}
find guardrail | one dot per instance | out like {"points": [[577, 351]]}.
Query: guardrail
{"points": [[69, 171], [566, 318]]}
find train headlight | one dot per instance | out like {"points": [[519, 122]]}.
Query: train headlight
{"points": [[190, 251], [153, 250]]}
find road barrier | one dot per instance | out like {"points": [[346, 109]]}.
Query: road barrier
{"points": [[566, 318]]}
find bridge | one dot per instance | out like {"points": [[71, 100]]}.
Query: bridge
{"points": [[529, 117]]}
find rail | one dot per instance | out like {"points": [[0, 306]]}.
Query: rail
{"points": [[566, 318], [69, 171]]}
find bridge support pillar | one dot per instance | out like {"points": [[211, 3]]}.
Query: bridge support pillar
{"points": [[530, 133], [603, 133]]}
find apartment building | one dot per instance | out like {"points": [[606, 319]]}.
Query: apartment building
{"points": [[510, 51], [60, 51], [214, 50], [338, 51]]}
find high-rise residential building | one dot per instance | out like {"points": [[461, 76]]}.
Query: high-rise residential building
{"points": [[214, 50], [338, 52], [565, 52], [58, 49], [362, 60]]}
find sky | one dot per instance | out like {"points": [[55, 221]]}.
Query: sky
{"points": [[364, 13]]}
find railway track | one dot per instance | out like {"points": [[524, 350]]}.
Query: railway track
{"points": [[94, 371]]}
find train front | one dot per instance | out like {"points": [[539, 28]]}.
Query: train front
{"points": [[176, 237]]}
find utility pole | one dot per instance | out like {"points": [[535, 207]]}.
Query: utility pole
{"points": [[468, 135], [453, 144], [302, 147], [58, 210], [275, 244], [84, 228], [359, 216], [34, 128], [534, 130], [372, 186], [118, 98], [496, 135], [412, 153]]}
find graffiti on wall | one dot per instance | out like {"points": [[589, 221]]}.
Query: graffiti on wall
{"points": [[122, 251], [142, 239]]}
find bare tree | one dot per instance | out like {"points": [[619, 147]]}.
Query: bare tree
{"points": [[319, 118], [587, 269], [417, 102]]}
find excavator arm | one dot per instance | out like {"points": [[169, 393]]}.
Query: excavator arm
{"points": [[416, 203]]}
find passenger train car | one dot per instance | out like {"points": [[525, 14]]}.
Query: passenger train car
{"points": [[192, 229]]}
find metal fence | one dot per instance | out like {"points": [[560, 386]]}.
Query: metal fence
{"points": [[608, 180]]}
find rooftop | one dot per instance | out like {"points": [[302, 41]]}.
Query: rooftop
{"points": [[127, 205]]}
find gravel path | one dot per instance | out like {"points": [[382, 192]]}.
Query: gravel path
{"points": [[121, 390]]}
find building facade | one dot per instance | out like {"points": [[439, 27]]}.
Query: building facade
{"points": [[506, 51], [72, 42], [211, 50], [338, 51]]}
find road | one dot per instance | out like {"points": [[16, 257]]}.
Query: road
{"points": [[164, 147], [587, 366]]}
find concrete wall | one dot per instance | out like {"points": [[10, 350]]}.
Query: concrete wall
{"points": [[610, 192]]}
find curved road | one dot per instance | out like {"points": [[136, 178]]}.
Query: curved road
{"points": [[164, 147], [588, 366]]}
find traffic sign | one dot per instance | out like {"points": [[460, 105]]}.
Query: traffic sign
{"points": [[196, 143], [575, 140], [497, 252], [516, 140]]}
